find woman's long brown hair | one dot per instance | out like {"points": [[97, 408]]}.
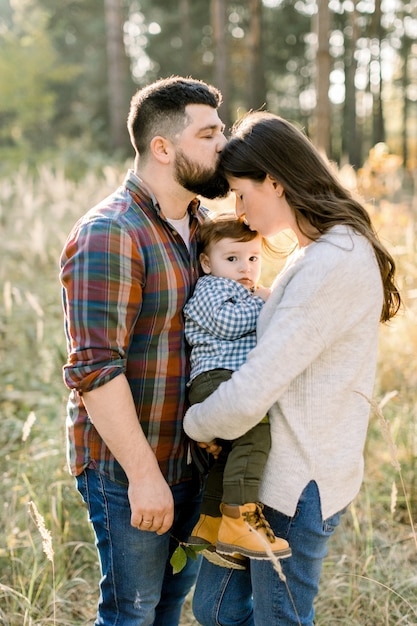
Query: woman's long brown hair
{"points": [[263, 143]]}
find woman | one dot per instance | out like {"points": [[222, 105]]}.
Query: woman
{"points": [[312, 370]]}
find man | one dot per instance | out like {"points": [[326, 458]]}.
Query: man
{"points": [[127, 269]]}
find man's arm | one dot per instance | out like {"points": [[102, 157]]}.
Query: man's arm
{"points": [[112, 411]]}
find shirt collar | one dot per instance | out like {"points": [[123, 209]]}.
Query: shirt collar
{"points": [[134, 182]]}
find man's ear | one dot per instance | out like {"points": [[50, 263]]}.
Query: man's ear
{"points": [[205, 263], [161, 148]]}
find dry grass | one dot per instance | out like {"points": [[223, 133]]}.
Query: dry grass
{"points": [[369, 578]]}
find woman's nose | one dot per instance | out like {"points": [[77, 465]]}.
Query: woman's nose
{"points": [[238, 208]]}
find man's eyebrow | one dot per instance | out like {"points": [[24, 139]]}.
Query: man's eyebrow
{"points": [[212, 127]]}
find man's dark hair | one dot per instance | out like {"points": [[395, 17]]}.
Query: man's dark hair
{"points": [[159, 108]]}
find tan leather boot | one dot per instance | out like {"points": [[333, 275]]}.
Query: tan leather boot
{"points": [[205, 534], [237, 533], [206, 530]]}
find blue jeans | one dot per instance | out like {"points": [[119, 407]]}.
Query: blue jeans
{"points": [[257, 596], [137, 586]]}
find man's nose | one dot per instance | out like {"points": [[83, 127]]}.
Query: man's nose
{"points": [[221, 143]]}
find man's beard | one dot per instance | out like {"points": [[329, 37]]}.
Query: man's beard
{"points": [[199, 180]]}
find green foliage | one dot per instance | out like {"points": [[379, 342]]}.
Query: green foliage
{"points": [[288, 66], [54, 83], [284, 48], [182, 552], [30, 71], [178, 560], [77, 33], [184, 44]]}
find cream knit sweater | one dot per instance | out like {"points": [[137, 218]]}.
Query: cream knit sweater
{"points": [[315, 356]]}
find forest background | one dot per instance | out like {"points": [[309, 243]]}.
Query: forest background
{"points": [[346, 72]]}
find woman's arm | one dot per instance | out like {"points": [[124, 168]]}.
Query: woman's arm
{"points": [[328, 291], [284, 351]]}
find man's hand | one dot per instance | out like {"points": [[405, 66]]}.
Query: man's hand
{"points": [[262, 292], [151, 503], [212, 447]]}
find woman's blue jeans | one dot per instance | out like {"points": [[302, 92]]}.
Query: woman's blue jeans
{"points": [[258, 597], [138, 587]]}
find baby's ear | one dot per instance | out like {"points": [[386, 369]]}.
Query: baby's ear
{"points": [[205, 263]]}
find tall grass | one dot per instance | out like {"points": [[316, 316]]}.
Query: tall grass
{"points": [[370, 575], [35, 216]]}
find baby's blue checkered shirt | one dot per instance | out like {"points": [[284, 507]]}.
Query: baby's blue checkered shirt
{"points": [[220, 324]]}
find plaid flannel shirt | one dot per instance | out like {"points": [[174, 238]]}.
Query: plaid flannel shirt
{"points": [[126, 276]]}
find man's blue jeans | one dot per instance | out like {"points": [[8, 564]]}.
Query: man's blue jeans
{"points": [[225, 597], [138, 587]]}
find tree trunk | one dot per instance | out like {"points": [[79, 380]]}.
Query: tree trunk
{"points": [[405, 50], [321, 135], [256, 83], [117, 74], [221, 76], [378, 127], [187, 55], [350, 145]]}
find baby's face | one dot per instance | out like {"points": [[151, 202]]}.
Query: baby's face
{"points": [[238, 260]]}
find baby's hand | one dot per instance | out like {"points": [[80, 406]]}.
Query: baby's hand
{"points": [[262, 292], [212, 447]]}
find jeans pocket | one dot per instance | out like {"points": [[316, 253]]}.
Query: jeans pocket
{"points": [[331, 523]]}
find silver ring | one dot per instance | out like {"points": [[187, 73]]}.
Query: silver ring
{"points": [[146, 522]]}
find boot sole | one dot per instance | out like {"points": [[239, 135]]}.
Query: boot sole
{"points": [[210, 553], [216, 558], [198, 541], [228, 549]]}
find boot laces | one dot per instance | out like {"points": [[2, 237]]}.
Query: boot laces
{"points": [[257, 520]]}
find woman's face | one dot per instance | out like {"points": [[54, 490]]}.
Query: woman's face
{"points": [[262, 205]]}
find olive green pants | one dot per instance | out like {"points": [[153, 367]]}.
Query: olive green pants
{"points": [[235, 476]]}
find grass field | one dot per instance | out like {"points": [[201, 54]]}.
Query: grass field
{"points": [[48, 564]]}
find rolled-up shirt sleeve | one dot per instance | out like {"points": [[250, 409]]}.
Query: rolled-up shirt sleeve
{"points": [[102, 278]]}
